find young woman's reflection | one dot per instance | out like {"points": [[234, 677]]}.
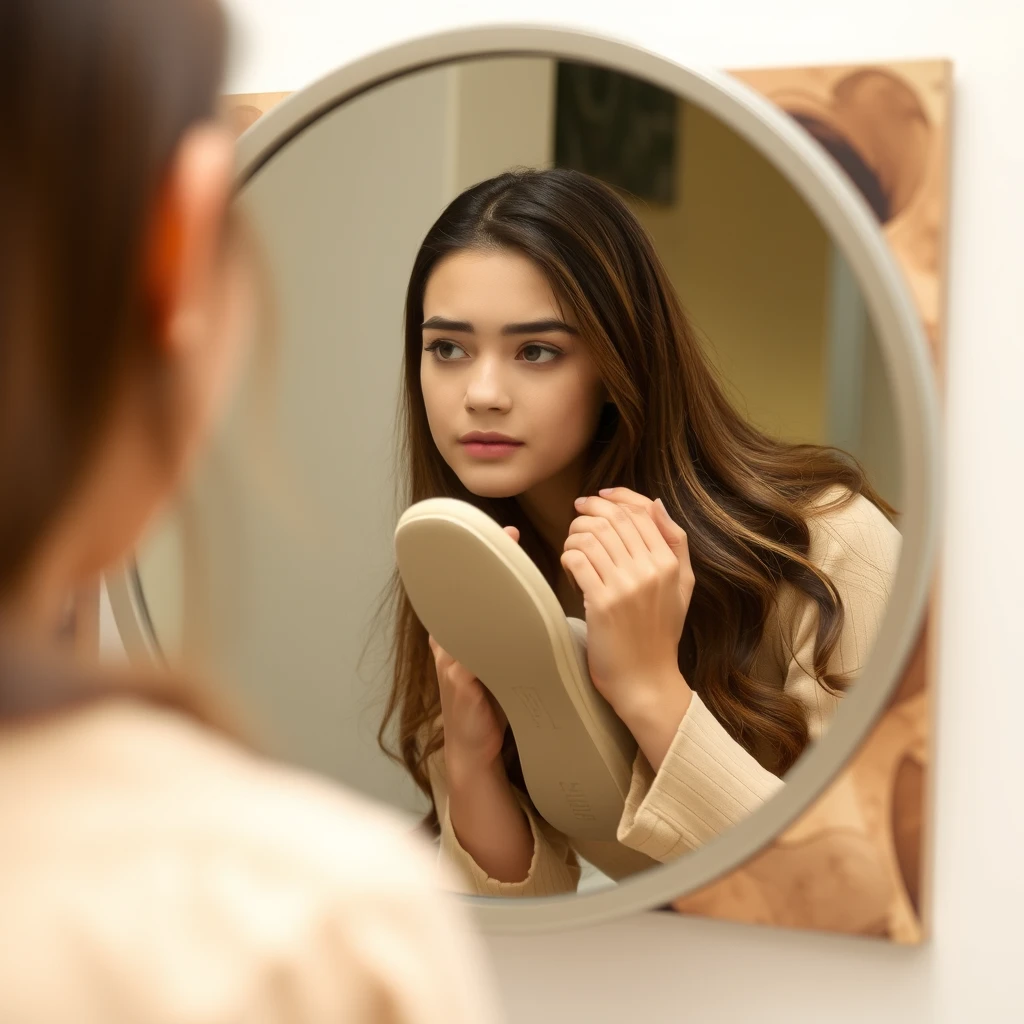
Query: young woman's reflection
{"points": [[553, 380]]}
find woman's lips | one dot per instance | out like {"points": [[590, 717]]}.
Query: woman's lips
{"points": [[490, 449]]}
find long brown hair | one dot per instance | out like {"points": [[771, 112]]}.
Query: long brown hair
{"points": [[669, 431], [95, 96]]}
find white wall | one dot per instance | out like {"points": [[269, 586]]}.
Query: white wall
{"points": [[665, 969]]}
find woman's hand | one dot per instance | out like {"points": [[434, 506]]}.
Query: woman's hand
{"points": [[474, 724], [485, 814], [632, 564]]}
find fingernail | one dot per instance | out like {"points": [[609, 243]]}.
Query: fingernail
{"points": [[661, 505], [579, 501], [605, 491]]}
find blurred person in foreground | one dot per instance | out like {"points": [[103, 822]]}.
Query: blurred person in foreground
{"points": [[153, 868]]}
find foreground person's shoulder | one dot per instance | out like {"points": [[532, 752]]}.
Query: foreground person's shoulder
{"points": [[272, 808], [323, 903]]}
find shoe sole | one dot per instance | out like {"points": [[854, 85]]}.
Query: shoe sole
{"points": [[484, 601]]}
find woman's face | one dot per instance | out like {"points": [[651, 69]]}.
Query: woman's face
{"points": [[512, 396]]}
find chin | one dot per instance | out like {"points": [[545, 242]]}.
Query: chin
{"points": [[492, 484], [493, 493], [490, 489]]}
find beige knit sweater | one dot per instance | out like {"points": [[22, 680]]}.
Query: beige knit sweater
{"points": [[708, 782]]}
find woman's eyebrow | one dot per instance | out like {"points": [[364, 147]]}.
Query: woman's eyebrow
{"points": [[440, 323], [549, 326]]}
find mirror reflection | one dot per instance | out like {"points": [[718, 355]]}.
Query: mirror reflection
{"points": [[518, 283]]}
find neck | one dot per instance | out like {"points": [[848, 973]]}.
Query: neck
{"points": [[549, 506], [33, 606], [32, 611]]}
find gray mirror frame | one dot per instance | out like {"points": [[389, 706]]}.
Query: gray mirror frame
{"points": [[901, 337]]}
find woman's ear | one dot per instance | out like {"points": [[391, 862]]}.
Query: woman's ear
{"points": [[186, 236]]}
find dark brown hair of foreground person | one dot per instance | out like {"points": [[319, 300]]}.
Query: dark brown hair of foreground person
{"points": [[669, 431], [95, 96]]}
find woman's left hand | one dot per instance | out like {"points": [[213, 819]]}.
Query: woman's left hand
{"points": [[632, 563]]}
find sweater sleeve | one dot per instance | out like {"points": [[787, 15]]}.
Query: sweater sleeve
{"points": [[554, 868], [708, 782]]}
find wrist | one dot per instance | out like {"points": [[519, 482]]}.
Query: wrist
{"points": [[469, 773], [655, 701], [654, 713]]}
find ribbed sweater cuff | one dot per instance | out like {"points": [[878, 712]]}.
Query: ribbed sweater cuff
{"points": [[706, 784]]}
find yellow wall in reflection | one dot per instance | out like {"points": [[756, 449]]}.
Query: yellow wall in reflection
{"points": [[750, 262]]}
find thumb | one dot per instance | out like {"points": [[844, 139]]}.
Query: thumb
{"points": [[512, 532], [499, 711], [675, 536]]}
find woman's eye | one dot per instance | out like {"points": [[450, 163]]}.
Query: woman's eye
{"points": [[539, 354], [445, 351]]}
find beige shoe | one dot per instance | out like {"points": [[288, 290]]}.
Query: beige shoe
{"points": [[486, 603]]}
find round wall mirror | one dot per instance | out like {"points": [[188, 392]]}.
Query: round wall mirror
{"points": [[717, 219]]}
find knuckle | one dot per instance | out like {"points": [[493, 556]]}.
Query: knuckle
{"points": [[658, 575], [644, 575], [667, 565]]}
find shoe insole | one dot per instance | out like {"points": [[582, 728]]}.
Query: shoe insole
{"points": [[484, 601]]}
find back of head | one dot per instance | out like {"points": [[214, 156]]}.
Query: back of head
{"points": [[95, 95]]}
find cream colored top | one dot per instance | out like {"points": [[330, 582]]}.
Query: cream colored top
{"points": [[153, 873], [709, 782]]}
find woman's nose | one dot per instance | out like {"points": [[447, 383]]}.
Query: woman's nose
{"points": [[485, 391]]}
